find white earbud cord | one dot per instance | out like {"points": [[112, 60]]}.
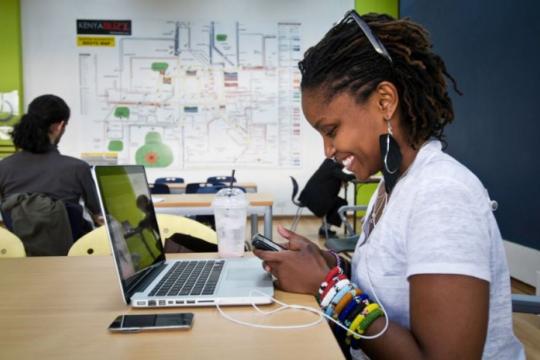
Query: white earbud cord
{"points": [[285, 306]]}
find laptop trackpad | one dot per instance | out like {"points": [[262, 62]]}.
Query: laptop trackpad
{"points": [[245, 274], [249, 274]]}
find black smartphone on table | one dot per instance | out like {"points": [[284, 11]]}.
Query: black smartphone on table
{"points": [[263, 243], [143, 322]]}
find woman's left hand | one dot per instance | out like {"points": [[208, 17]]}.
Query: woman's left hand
{"points": [[300, 269]]}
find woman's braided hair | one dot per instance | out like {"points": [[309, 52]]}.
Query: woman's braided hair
{"points": [[345, 61]]}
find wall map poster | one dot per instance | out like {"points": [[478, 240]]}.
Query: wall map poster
{"points": [[188, 94]]}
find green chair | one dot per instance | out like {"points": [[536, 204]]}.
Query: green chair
{"points": [[363, 191], [363, 195]]}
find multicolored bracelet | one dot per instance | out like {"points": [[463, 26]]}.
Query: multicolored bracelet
{"points": [[358, 303], [369, 319], [333, 291], [343, 301], [332, 274], [347, 289], [339, 262], [369, 314]]}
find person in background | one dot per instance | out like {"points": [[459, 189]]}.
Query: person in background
{"points": [[38, 166], [428, 278]]}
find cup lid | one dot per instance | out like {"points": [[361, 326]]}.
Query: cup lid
{"points": [[230, 197]]}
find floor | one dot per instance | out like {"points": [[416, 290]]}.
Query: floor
{"points": [[526, 326]]}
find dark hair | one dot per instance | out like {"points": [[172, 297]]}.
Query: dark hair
{"points": [[344, 60], [32, 132]]}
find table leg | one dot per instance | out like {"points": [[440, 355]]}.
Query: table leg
{"points": [[268, 222], [254, 224]]}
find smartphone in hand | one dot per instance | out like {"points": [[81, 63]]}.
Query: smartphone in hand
{"points": [[263, 243], [143, 322]]}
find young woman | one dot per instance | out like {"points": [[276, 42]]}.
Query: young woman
{"points": [[429, 273]]}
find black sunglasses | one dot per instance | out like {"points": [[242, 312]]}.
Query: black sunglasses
{"points": [[374, 40]]}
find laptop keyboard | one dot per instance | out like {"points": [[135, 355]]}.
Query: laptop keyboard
{"points": [[190, 278]]}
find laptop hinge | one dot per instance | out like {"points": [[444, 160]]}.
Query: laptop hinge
{"points": [[146, 279]]}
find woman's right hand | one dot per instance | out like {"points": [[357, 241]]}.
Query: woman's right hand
{"points": [[288, 234], [301, 268]]}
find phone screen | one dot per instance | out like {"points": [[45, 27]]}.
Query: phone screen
{"points": [[152, 322]]}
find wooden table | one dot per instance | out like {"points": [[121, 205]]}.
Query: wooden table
{"points": [[201, 204], [60, 308], [180, 188]]}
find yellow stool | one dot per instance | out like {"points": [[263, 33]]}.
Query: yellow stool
{"points": [[171, 224], [10, 245], [93, 243], [96, 242]]}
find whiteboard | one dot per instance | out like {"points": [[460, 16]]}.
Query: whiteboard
{"points": [[258, 130]]}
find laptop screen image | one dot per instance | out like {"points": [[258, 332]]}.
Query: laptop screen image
{"points": [[131, 221]]}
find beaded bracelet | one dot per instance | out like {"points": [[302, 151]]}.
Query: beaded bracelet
{"points": [[347, 289], [339, 262], [335, 271], [362, 316], [357, 310], [331, 284], [354, 324], [333, 291], [352, 305], [345, 301], [369, 319], [369, 308]]}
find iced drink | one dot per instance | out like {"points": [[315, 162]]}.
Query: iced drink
{"points": [[230, 211]]}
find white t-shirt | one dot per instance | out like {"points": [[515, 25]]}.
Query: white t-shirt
{"points": [[437, 221]]}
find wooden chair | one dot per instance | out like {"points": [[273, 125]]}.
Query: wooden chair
{"points": [[10, 245]]}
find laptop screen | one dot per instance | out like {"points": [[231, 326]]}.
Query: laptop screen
{"points": [[131, 222]]}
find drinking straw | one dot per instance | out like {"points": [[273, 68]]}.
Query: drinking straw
{"points": [[232, 180]]}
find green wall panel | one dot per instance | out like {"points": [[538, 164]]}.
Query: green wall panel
{"points": [[390, 7], [10, 60]]}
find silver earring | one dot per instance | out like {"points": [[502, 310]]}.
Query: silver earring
{"points": [[388, 135]]}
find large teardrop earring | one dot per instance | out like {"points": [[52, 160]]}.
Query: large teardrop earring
{"points": [[391, 158]]}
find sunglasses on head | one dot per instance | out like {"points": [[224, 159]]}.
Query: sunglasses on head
{"points": [[352, 15]]}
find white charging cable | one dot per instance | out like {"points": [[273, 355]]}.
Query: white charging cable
{"points": [[285, 306]]}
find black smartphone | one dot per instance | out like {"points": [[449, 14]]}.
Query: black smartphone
{"points": [[143, 322], [263, 243]]}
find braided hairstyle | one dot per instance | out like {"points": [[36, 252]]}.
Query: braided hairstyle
{"points": [[345, 61], [32, 132]]}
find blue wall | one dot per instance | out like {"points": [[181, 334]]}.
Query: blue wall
{"points": [[492, 48]]}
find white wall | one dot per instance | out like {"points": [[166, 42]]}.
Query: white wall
{"points": [[50, 64], [524, 263]]}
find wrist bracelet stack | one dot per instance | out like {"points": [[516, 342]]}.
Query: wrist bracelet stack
{"points": [[346, 303]]}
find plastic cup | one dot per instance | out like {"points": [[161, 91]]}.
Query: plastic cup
{"points": [[230, 212]]}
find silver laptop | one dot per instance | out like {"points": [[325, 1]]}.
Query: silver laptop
{"points": [[146, 278]]}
